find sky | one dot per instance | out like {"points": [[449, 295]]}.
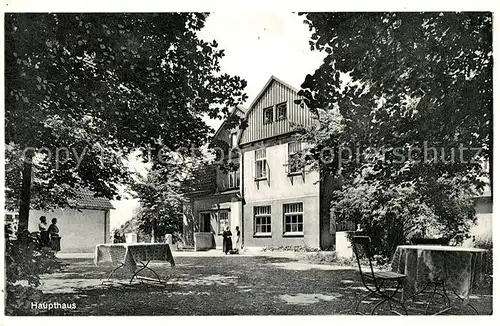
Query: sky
{"points": [[257, 45]]}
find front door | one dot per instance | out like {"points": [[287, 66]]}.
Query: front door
{"points": [[204, 222]]}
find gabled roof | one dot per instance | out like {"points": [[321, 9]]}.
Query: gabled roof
{"points": [[240, 109], [85, 199], [273, 78], [261, 93]]}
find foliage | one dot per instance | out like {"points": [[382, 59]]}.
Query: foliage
{"points": [[160, 195], [488, 256], [392, 216], [24, 263], [104, 85], [294, 248], [403, 102], [398, 82], [327, 258]]}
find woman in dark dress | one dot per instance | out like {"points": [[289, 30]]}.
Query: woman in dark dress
{"points": [[227, 243], [55, 239]]}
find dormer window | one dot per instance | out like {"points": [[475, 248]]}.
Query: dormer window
{"points": [[268, 115], [281, 111]]}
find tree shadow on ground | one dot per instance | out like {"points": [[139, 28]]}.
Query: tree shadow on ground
{"points": [[232, 285]]}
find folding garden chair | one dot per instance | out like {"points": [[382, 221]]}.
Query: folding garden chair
{"points": [[374, 281]]}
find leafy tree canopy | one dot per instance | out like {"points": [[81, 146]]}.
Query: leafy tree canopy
{"points": [[161, 197], [398, 82], [104, 85], [404, 104]]}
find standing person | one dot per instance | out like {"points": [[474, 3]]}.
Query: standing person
{"points": [[238, 235], [44, 235], [117, 238], [55, 239], [227, 243]]}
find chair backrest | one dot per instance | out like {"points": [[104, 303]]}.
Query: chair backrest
{"points": [[362, 249], [457, 240]]}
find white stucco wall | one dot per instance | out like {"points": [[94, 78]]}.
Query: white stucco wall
{"points": [[278, 190], [80, 231], [280, 184], [483, 229]]}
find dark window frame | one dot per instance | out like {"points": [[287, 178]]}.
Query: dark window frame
{"points": [[280, 106], [264, 115]]}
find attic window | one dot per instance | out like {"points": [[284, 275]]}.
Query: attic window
{"points": [[281, 111], [268, 115]]}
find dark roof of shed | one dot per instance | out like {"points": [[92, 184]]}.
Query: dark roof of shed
{"points": [[86, 199]]}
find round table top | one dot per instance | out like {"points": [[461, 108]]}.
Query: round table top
{"points": [[441, 248]]}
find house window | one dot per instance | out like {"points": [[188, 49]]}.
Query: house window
{"points": [[293, 216], [260, 164], [223, 221], [294, 165], [281, 111], [268, 115], [262, 220], [233, 139], [234, 179]]}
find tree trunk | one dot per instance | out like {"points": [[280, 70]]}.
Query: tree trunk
{"points": [[24, 203], [490, 165]]}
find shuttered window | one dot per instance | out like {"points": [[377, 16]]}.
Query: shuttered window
{"points": [[294, 165], [260, 163]]}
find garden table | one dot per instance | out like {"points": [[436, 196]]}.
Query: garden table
{"points": [[129, 255], [455, 268]]}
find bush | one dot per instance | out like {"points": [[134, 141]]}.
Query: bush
{"points": [[294, 248], [327, 258], [488, 256], [24, 263], [392, 215]]}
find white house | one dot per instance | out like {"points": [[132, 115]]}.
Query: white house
{"points": [[81, 227]]}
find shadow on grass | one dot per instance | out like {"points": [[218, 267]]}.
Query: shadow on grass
{"points": [[228, 285]]}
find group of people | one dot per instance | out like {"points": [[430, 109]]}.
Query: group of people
{"points": [[227, 241], [49, 234]]}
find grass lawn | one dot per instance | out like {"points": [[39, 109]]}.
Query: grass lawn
{"points": [[226, 285]]}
